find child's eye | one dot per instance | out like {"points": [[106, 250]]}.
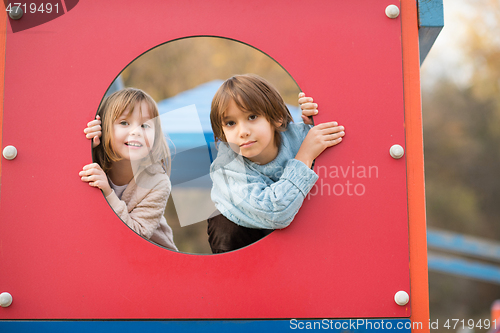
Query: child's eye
{"points": [[146, 126], [230, 123], [252, 117], [124, 123]]}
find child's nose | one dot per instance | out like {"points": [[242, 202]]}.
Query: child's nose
{"points": [[244, 131], [136, 130]]}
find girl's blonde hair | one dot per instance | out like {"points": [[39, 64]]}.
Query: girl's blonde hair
{"points": [[113, 107], [252, 93]]}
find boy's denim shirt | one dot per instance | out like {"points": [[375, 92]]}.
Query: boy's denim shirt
{"points": [[262, 196]]}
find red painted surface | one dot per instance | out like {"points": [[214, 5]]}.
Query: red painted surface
{"points": [[65, 254], [419, 295], [35, 12], [3, 23]]}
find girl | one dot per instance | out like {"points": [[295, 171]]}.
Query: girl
{"points": [[133, 163], [262, 172]]}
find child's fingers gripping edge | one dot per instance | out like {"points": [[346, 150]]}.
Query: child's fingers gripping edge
{"points": [[92, 166], [310, 112], [96, 183], [96, 141], [326, 125], [94, 122], [332, 130], [334, 142], [92, 135], [306, 120], [304, 100], [92, 128], [334, 136]]}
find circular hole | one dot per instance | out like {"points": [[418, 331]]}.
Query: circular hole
{"points": [[182, 76]]}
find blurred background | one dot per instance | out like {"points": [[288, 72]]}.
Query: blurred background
{"points": [[461, 114]]}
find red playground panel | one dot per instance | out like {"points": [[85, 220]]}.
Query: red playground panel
{"points": [[64, 254]]}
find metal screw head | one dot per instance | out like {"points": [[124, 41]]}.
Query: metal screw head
{"points": [[10, 152], [16, 13], [401, 298], [397, 151], [5, 299], [392, 11]]}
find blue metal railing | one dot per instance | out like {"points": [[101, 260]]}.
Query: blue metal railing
{"points": [[458, 244]]}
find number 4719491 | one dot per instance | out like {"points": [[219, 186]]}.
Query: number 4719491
{"points": [[33, 7], [470, 323]]}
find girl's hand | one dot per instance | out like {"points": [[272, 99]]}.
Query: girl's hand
{"points": [[308, 108], [93, 131], [93, 174], [318, 139]]}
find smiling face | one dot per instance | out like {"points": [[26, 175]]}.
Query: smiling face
{"points": [[133, 133], [249, 134]]}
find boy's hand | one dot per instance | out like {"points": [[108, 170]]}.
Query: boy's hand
{"points": [[318, 139], [93, 131], [95, 176], [308, 108]]}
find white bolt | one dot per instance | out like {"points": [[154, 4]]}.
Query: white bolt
{"points": [[401, 298], [397, 151], [392, 11], [10, 152], [5, 299]]}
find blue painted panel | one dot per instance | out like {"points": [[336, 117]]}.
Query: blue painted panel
{"points": [[430, 23], [430, 13], [243, 326]]}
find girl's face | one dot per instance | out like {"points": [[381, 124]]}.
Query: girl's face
{"points": [[249, 134], [134, 133]]}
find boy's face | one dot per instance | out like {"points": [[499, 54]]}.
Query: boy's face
{"points": [[249, 134]]}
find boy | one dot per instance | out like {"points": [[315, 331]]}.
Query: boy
{"points": [[262, 172]]}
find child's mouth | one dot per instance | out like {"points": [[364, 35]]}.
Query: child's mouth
{"points": [[247, 144], [133, 144]]}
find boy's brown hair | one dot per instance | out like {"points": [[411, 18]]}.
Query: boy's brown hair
{"points": [[252, 93], [111, 109]]}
